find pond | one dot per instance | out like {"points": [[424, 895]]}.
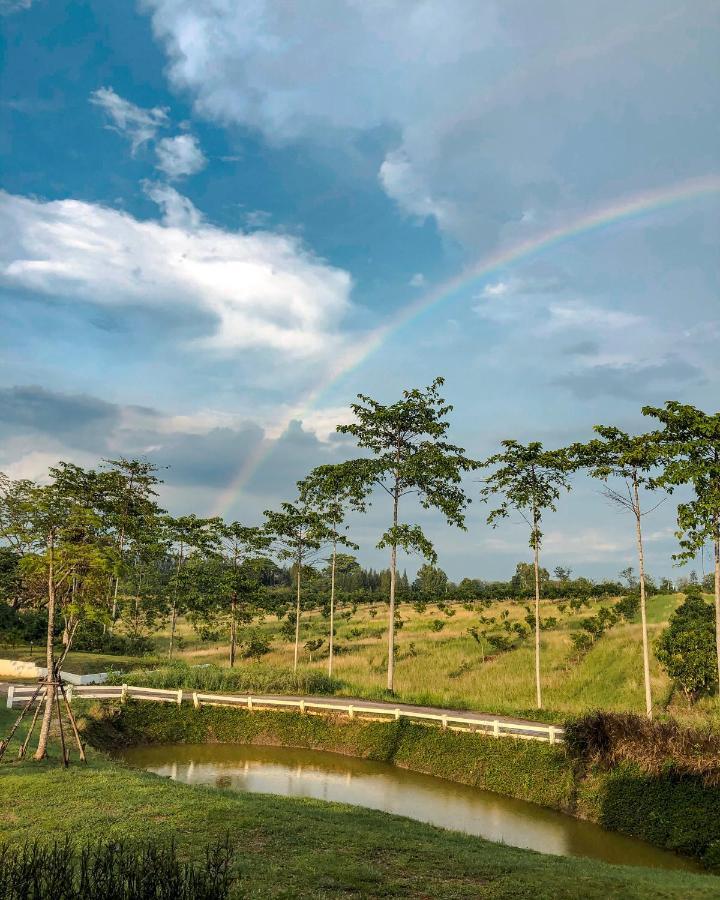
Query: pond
{"points": [[344, 779]]}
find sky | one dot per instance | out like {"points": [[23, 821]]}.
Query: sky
{"points": [[220, 221]]}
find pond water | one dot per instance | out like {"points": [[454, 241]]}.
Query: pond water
{"points": [[330, 776]]}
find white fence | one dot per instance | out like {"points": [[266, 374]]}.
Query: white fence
{"points": [[18, 694]]}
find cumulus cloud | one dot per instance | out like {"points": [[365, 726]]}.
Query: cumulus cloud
{"points": [[497, 110], [180, 155], [138, 125], [262, 290]]}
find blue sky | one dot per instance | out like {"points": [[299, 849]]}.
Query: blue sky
{"points": [[207, 206]]}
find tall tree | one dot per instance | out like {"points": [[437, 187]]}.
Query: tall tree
{"points": [[67, 558], [129, 505], [238, 547], [690, 450], [185, 535], [410, 455], [529, 480], [333, 490], [631, 458], [297, 532]]}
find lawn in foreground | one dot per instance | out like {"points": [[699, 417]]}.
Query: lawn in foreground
{"points": [[305, 848]]}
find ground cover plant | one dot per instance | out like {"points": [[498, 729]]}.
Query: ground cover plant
{"points": [[112, 871]]}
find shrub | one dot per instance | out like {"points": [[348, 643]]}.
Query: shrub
{"points": [[437, 625], [256, 646], [112, 871], [686, 648]]}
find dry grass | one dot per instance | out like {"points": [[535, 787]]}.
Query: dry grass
{"points": [[450, 668], [607, 739]]}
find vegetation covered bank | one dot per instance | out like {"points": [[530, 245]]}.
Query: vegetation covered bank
{"points": [[668, 808]]}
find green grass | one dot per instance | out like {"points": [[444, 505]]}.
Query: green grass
{"points": [[305, 848], [79, 663], [608, 677]]}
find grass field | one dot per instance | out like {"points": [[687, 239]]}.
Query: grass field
{"points": [[448, 667], [305, 848]]}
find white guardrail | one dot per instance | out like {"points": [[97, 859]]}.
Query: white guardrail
{"points": [[19, 694]]}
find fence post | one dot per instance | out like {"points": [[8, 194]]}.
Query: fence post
{"points": [[351, 712], [302, 706], [11, 693], [124, 694], [179, 697], [69, 693], [250, 706], [196, 702], [496, 728], [551, 734], [397, 715], [444, 723]]}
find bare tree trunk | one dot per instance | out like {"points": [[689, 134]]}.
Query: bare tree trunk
{"points": [[233, 630], [297, 619], [717, 600], [537, 621], [643, 605], [41, 751], [173, 622], [332, 609], [393, 578]]}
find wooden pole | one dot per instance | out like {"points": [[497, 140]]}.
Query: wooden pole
{"points": [[60, 726], [73, 723], [26, 743]]}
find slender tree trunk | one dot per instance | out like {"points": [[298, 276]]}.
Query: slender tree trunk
{"points": [[332, 608], [297, 619], [536, 550], [643, 605], [173, 616], [173, 622], [41, 751], [717, 599], [233, 629], [393, 578]]}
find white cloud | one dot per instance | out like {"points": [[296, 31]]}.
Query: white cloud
{"points": [[263, 290], [578, 314], [180, 155], [10, 6], [581, 545], [418, 280], [137, 124], [178, 211], [503, 115], [498, 289]]}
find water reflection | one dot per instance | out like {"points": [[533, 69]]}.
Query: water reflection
{"points": [[328, 776]]}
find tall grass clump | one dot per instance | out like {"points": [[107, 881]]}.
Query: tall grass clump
{"points": [[607, 739], [260, 679], [113, 871]]}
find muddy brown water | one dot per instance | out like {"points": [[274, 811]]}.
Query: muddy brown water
{"points": [[330, 776]]}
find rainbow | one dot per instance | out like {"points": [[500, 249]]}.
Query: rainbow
{"points": [[622, 210]]}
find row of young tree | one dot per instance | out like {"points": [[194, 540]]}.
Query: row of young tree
{"points": [[88, 533]]}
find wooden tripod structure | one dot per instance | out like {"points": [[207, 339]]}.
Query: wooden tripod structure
{"points": [[53, 683]]}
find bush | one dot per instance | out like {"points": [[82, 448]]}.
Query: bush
{"points": [[608, 739], [112, 871], [686, 648], [251, 678]]}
